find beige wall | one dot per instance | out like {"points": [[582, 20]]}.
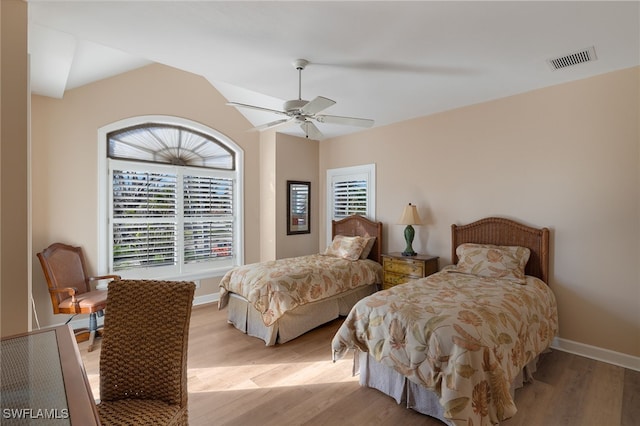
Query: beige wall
{"points": [[65, 156], [566, 157], [285, 157], [268, 184], [15, 283], [296, 159]]}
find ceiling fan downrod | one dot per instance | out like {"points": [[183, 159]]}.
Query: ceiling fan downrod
{"points": [[293, 106], [300, 64]]}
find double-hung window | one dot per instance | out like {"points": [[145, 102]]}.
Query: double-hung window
{"points": [[174, 201]]}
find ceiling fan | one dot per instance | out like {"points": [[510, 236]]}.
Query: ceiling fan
{"points": [[304, 113]]}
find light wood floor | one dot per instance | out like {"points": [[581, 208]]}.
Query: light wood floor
{"points": [[235, 379]]}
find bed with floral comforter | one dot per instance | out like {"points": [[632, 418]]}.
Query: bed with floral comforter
{"points": [[461, 335], [278, 286], [456, 345], [280, 300]]}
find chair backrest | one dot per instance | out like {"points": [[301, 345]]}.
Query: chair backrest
{"points": [[63, 266], [146, 333]]}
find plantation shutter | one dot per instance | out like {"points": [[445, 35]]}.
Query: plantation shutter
{"points": [[349, 197], [208, 218], [144, 219]]}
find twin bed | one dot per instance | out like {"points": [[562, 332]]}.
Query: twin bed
{"points": [[456, 345], [280, 300]]}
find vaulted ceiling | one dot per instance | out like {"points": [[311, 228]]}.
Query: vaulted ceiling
{"points": [[384, 60]]}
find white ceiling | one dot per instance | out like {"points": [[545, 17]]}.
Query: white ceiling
{"points": [[384, 60]]}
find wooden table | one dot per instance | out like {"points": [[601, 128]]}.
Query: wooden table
{"points": [[43, 380]]}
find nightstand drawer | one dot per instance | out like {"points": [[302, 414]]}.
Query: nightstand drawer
{"points": [[408, 266], [391, 279], [398, 269]]}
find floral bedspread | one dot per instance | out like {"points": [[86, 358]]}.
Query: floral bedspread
{"points": [[275, 287], [462, 336]]}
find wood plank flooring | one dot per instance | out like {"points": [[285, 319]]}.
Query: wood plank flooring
{"points": [[235, 379]]}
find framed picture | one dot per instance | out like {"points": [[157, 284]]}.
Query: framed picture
{"points": [[298, 196]]}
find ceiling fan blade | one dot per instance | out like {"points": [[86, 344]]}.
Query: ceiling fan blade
{"points": [[311, 130], [272, 124], [349, 121], [236, 104], [316, 105]]}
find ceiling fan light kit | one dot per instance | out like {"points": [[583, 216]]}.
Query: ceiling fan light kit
{"points": [[303, 112]]}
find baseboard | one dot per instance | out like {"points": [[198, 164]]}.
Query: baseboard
{"points": [[599, 354], [207, 298]]}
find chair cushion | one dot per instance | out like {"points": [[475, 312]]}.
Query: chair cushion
{"points": [[141, 412], [91, 301]]}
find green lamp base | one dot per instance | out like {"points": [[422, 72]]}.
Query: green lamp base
{"points": [[409, 233]]}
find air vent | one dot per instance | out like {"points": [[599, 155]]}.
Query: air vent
{"points": [[586, 55]]}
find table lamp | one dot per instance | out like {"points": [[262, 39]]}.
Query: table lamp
{"points": [[409, 217]]}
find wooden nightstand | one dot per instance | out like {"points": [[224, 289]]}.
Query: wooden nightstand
{"points": [[398, 269]]}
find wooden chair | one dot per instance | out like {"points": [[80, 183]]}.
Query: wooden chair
{"points": [[143, 358], [70, 287]]}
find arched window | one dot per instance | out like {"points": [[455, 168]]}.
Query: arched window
{"points": [[169, 144], [173, 199]]}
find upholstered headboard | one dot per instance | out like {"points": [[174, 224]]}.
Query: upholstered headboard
{"points": [[360, 226], [506, 232]]}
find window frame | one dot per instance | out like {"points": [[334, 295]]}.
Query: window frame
{"points": [[105, 230], [365, 172]]}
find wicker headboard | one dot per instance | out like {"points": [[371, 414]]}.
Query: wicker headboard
{"points": [[506, 232], [361, 226]]}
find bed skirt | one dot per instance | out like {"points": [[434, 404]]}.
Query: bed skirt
{"points": [[418, 398], [296, 322]]}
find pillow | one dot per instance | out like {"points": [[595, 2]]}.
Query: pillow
{"points": [[486, 260], [346, 247], [368, 246]]}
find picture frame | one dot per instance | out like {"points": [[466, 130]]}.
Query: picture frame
{"points": [[298, 203]]}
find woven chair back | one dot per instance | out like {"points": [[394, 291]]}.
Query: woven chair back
{"points": [[146, 333]]}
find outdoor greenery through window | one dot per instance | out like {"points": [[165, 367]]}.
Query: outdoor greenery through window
{"points": [[173, 199]]}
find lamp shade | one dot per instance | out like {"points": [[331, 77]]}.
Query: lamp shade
{"points": [[410, 216]]}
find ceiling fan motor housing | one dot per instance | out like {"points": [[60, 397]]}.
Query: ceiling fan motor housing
{"points": [[294, 105]]}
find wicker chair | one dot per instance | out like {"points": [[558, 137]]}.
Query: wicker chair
{"points": [[143, 360]]}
